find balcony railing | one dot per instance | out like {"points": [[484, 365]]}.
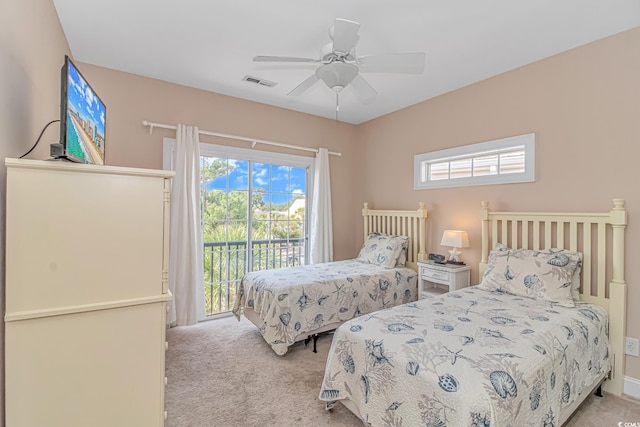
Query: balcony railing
{"points": [[225, 263]]}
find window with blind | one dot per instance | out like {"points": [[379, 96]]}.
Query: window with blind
{"points": [[502, 161]]}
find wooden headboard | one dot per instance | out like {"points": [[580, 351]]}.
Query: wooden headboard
{"points": [[600, 238], [400, 223]]}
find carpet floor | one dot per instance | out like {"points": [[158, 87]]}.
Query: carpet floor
{"points": [[221, 373]]}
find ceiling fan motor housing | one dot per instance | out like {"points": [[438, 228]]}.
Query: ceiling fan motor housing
{"points": [[327, 55]]}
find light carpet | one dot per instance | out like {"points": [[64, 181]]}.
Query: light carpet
{"points": [[221, 373]]}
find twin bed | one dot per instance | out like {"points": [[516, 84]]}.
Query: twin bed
{"points": [[544, 329], [484, 356], [293, 304]]}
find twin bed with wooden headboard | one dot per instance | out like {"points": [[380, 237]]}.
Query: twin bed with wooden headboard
{"points": [[544, 328], [293, 304], [598, 236]]}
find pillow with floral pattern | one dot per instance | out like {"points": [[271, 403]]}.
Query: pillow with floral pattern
{"points": [[544, 275], [382, 249], [402, 258]]}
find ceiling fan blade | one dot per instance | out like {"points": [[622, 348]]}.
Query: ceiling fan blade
{"points": [[407, 63], [282, 59], [363, 90], [304, 86], [345, 35]]}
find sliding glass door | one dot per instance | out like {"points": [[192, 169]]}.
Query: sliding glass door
{"points": [[253, 217], [225, 217]]}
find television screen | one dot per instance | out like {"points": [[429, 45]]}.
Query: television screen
{"points": [[83, 115]]}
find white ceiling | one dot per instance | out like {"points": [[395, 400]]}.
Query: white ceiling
{"points": [[210, 44]]}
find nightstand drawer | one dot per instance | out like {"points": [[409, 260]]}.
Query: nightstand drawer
{"points": [[437, 279], [436, 275]]}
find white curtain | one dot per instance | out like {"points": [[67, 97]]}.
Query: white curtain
{"points": [[186, 271], [321, 236]]}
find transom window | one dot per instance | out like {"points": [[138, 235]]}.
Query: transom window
{"points": [[502, 161]]}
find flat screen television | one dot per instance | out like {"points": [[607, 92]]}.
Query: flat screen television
{"points": [[82, 119]]}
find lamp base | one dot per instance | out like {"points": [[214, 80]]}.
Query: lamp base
{"points": [[455, 255]]}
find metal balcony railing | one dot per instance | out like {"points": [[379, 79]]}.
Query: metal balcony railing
{"points": [[225, 263]]}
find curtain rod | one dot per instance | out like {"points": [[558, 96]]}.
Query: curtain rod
{"points": [[253, 141]]}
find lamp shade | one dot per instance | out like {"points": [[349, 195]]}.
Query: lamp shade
{"points": [[455, 238]]}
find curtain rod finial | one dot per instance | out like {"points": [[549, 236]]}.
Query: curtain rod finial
{"points": [[146, 123]]}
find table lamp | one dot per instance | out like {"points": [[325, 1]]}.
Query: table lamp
{"points": [[456, 239]]}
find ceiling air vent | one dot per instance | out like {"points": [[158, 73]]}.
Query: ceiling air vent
{"points": [[259, 81]]}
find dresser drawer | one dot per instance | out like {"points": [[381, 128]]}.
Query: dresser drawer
{"points": [[435, 275]]}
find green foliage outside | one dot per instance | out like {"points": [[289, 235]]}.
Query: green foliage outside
{"points": [[225, 216]]}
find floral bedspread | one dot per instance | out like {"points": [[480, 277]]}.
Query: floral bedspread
{"points": [[467, 358], [296, 300]]}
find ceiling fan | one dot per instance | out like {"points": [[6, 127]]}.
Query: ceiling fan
{"points": [[341, 67]]}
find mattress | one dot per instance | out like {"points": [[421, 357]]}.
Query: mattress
{"points": [[469, 357], [300, 300]]}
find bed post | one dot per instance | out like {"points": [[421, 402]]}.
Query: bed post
{"points": [[422, 215], [365, 218], [484, 218], [617, 299]]}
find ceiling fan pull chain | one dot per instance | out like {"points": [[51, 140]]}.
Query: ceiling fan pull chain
{"points": [[337, 105]]}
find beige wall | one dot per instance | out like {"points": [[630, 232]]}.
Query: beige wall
{"points": [[130, 99], [583, 105], [32, 49]]}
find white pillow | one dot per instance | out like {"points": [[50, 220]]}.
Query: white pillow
{"points": [[545, 275], [382, 250]]}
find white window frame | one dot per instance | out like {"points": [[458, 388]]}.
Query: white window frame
{"points": [[527, 142], [250, 154], [214, 150]]}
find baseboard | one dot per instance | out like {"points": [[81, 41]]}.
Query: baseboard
{"points": [[632, 387]]}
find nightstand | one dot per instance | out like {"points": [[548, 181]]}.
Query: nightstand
{"points": [[437, 279]]}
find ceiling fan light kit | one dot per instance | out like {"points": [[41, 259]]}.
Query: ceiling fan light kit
{"points": [[337, 75]]}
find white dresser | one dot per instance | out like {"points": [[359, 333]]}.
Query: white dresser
{"points": [[86, 293]]}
